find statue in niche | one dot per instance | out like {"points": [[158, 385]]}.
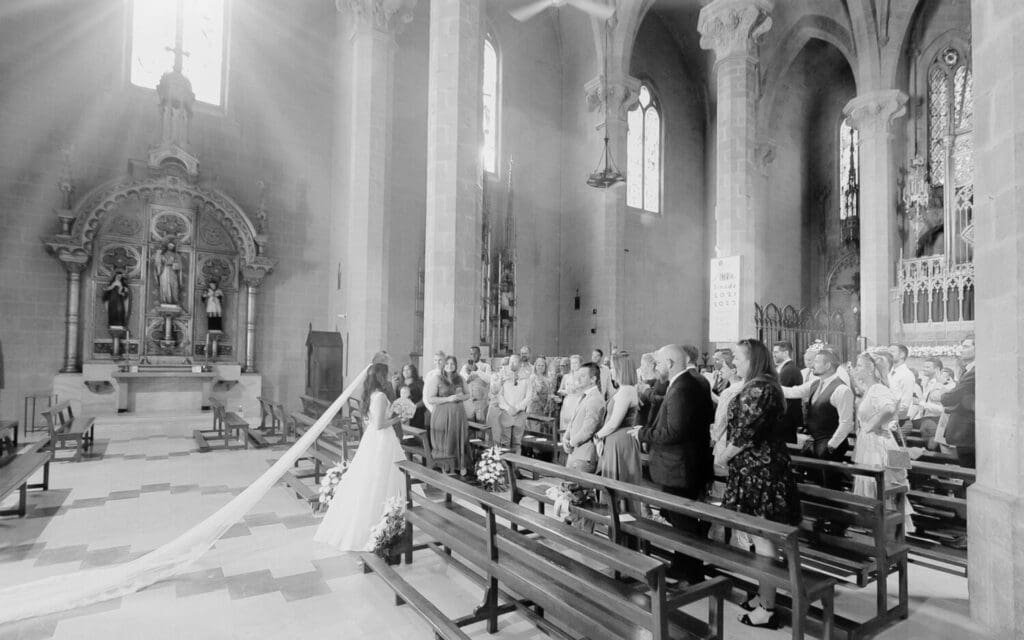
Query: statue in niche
{"points": [[118, 298], [168, 273], [214, 310]]}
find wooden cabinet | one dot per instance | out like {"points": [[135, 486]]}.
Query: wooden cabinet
{"points": [[324, 360]]}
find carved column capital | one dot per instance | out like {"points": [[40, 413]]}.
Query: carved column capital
{"points": [[387, 16], [872, 113], [256, 271], [74, 258], [621, 94], [732, 27]]}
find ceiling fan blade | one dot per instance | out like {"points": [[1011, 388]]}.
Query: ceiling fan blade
{"points": [[527, 11], [594, 8]]}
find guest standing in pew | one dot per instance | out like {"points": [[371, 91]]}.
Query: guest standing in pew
{"points": [[829, 412], [761, 481], [877, 414], [542, 386], [578, 439], [789, 376], [449, 430], [618, 454], [477, 376], [928, 410], [569, 391], [959, 403], [652, 391], [506, 417], [679, 444], [902, 382], [372, 477], [431, 377], [411, 379]]}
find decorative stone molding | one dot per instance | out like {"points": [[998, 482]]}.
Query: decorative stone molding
{"points": [[388, 16], [253, 273], [872, 113], [176, 100], [732, 27], [73, 257], [621, 94]]}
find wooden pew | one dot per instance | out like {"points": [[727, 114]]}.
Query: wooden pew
{"points": [[65, 428], [15, 475], [939, 495], [556, 570], [786, 573], [874, 546]]}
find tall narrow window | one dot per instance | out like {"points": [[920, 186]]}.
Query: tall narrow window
{"points": [[950, 148], [489, 149], [187, 35], [643, 153], [849, 171]]}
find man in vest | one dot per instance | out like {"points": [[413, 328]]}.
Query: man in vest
{"points": [[829, 412]]}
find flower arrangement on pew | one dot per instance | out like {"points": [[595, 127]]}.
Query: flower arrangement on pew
{"points": [[388, 537], [328, 484], [491, 471]]}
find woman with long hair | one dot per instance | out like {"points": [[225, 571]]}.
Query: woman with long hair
{"points": [[372, 476], [761, 481], [542, 384], [411, 378], [449, 428], [876, 427], [618, 451]]}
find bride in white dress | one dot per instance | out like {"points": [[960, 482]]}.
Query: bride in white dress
{"points": [[371, 478]]}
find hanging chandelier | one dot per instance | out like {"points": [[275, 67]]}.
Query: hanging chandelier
{"points": [[609, 175]]}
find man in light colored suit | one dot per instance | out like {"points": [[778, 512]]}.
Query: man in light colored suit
{"points": [[506, 416], [578, 439]]}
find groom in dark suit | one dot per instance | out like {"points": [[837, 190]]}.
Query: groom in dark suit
{"points": [[679, 442]]}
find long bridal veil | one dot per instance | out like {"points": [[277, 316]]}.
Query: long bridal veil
{"points": [[63, 592]]}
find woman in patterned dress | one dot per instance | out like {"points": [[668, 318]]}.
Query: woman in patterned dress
{"points": [[543, 385], [761, 481]]}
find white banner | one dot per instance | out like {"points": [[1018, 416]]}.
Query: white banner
{"points": [[724, 316]]}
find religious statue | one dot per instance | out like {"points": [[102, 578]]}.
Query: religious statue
{"points": [[212, 297], [168, 273], [118, 297]]}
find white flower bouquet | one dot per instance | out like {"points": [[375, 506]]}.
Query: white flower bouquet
{"points": [[404, 408], [387, 537], [935, 351], [491, 471], [328, 483]]}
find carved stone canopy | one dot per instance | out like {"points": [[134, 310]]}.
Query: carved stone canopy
{"points": [[389, 16], [732, 27], [621, 94], [872, 113]]}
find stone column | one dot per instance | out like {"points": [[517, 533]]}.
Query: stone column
{"points": [[731, 28], [367, 84], [74, 259], [995, 511], [611, 264], [872, 114], [253, 275], [454, 177]]}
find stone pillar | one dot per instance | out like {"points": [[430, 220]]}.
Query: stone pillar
{"points": [[611, 264], [872, 114], [74, 259], [995, 511], [253, 275], [367, 85], [731, 29], [454, 177]]}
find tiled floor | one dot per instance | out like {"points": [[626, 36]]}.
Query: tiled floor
{"points": [[266, 578]]}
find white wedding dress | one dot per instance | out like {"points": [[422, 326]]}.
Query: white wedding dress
{"points": [[370, 480]]}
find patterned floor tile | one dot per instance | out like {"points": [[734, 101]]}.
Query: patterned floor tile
{"points": [[153, 488], [198, 582], [74, 553], [106, 557], [303, 585], [255, 583], [261, 519], [236, 530]]}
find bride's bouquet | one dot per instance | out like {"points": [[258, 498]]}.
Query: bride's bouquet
{"points": [[404, 408], [328, 483], [491, 471], [387, 536]]}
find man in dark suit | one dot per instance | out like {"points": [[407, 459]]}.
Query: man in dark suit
{"points": [[959, 403], [679, 442], [789, 376]]}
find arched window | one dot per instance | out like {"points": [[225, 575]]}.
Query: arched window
{"points": [[643, 153], [186, 32], [950, 146], [489, 148], [849, 171]]}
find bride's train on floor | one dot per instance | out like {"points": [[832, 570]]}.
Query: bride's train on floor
{"points": [[64, 592]]}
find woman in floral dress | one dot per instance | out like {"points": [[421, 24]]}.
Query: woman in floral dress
{"points": [[543, 385], [761, 481]]}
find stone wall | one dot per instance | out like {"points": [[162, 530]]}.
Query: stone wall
{"points": [[73, 90]]}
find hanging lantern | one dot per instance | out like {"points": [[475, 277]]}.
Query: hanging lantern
{"points": [[609, 175]]}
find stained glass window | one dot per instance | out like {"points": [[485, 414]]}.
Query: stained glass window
{"points": [[489, 148], [951, 145], [156, 26], [849, 171], [643, 153]]}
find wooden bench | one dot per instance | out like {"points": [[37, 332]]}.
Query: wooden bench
{"points": [[939, 495], [65, 428], [873, 546], [556, 569], [441, 625], [785, 573], [15, 475]]}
